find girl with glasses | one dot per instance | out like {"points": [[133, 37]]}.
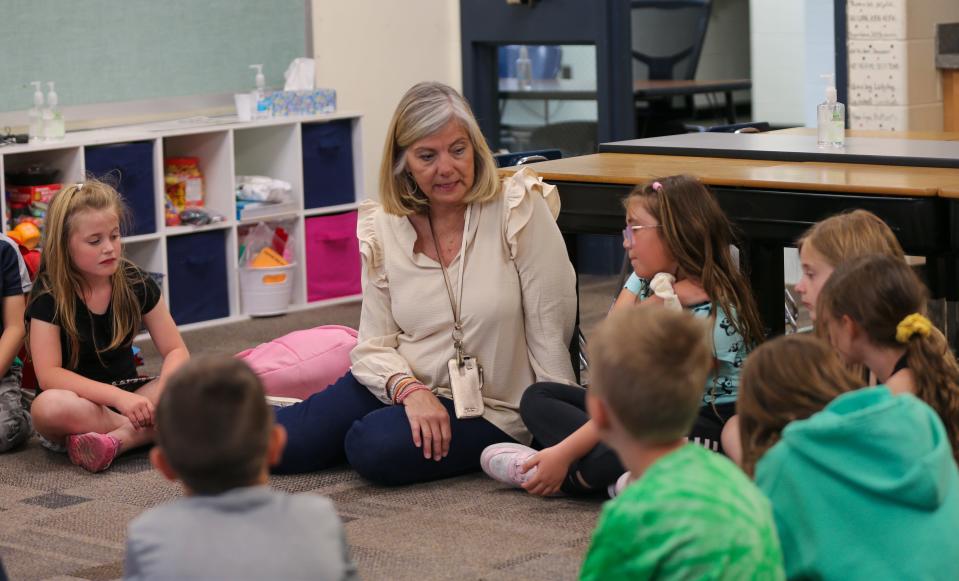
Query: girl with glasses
{"points": [[678, 240]]}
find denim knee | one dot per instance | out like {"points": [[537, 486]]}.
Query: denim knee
{"points": [[377, 454]]}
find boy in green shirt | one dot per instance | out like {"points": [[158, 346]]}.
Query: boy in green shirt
{"points": [[690, 513]]}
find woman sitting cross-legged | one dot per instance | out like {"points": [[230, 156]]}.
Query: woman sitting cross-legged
{"points": [[464, 274]]}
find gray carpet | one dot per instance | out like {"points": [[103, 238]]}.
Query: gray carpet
{"points": [[60, 522]]}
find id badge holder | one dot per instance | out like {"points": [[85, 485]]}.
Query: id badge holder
{"points": [[466, 383]]}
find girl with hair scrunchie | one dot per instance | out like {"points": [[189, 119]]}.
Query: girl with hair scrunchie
{"points": [[872, 308]]}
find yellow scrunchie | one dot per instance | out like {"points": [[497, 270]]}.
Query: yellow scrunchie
{"points": [[912, 324]]}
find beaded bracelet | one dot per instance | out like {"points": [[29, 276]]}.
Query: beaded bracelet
{"points": [[399, 385], [399, 391], [413, 388]]}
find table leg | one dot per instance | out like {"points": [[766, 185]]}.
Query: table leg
{"points": [[767, 280], [730, 108]]}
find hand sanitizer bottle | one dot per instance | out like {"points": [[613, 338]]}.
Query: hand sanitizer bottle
{"points": [[35, 114], [54, 125], [261, 107], [524, 69], [831, 118]]}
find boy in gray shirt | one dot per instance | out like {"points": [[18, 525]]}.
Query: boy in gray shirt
{"points": [[215, 434]]}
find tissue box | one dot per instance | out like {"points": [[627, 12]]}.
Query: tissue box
{"points": [[287, 103]]}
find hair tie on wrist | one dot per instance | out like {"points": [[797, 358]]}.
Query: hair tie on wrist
{"points": [[912, 324], [657, 187]]}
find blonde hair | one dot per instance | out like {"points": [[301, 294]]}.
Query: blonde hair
{"points": [[649, 365], [850, 235], [786, 379], [698, 235], [878, 293], [59, 277], [423, 111]]}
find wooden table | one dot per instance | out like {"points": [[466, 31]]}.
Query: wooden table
{"points": [[577, 90], [773, 203]]}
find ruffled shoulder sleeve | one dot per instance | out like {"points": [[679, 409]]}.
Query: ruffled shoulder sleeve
{"points": [[521, 191], [371, 248]]}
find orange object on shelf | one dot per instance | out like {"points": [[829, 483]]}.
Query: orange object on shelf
{"points": [[26, 234], [267, 258]]}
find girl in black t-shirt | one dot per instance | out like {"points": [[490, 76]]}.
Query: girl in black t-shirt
{"points": [[84, 310]]}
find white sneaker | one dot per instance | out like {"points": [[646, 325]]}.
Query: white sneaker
{"points": [[504, 463], [621, 483], [281, 402]]}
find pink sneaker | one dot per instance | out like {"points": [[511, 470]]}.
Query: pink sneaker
{"points": [[504, 463], [620, 485], [92, 451]]}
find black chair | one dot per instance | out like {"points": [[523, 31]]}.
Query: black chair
{"points": [[523, 157], [668, 38], [748, 127]]}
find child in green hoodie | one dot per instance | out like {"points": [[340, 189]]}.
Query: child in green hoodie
{"points": [[690, 513], [862, 481]]}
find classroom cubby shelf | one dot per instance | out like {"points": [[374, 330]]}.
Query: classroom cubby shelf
{"points": [[318, 155]]}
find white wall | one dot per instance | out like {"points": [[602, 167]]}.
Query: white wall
{"points": [[792, 45], [372, 51]]}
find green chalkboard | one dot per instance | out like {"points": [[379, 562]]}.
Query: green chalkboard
{"points": [[107, 51]]}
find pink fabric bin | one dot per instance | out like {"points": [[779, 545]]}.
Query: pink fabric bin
{"points": [[332, 257]]}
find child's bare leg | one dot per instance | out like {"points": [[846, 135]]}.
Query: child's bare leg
{"points": [[58, 413], [732, 445], [151, 391]]}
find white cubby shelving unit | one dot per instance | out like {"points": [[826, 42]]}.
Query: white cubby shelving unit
{"points": [[320, 156]]}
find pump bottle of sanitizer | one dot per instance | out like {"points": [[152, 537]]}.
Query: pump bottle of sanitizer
{"points": [[35, 114], [831, 118], [53, 127], [261, 106]]}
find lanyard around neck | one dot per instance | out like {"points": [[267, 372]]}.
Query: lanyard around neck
{"points": [[455, 305]]}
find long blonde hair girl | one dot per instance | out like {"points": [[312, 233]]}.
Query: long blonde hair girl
{"points": [[698, 235], [850, 235], [786, 379], [59, 277], [878, 293]]}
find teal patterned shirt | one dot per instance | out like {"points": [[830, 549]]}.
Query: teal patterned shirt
{"points": [[729, 347]]}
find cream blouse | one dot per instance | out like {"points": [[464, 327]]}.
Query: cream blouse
{"points": [[518, 301]]}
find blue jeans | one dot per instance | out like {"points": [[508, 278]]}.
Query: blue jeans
{"points": [[345, 423]]}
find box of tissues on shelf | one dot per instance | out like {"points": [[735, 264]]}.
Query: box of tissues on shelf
{"points": [[303, 102]]}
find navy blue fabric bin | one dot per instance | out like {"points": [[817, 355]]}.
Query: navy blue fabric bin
{"points": [[599, 254], [328, 164], [196, 267], [131, 166]]}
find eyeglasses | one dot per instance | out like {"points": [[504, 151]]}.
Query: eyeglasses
{"points": [[628, 233]]}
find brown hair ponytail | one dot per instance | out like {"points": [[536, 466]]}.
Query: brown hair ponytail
{"points": [[785, 379], [886, 299]]}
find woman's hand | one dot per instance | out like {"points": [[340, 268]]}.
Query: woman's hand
{"points": [[552, 465], [690, 292], [430, 423], [138, 409]]}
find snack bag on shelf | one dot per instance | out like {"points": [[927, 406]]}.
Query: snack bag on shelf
{"points": [[184, 182]]}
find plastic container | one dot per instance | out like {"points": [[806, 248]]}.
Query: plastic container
{"points": [[266, 291]]}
